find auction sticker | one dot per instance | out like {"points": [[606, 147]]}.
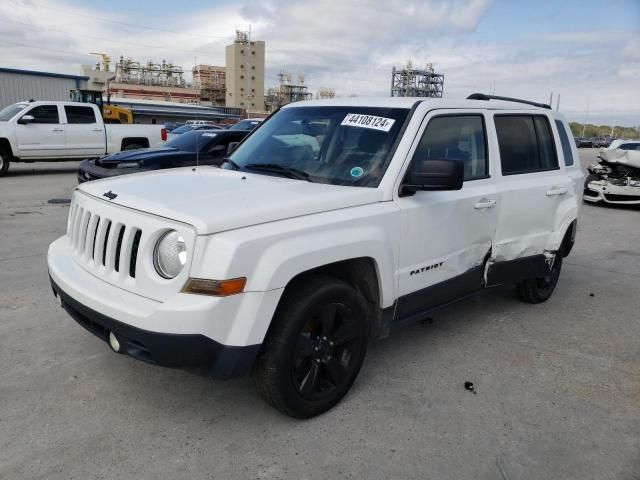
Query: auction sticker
{"points": [[209, 134], [368, 121]]}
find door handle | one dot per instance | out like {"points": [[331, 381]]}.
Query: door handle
{"points": [[57, 130], [557, 191], [96, 130], [484, 203]]}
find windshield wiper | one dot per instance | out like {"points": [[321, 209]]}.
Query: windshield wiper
{"points": [[233, 164], [276, 168]]}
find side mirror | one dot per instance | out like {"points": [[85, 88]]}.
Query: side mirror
{"points": [[25, 119], [434, 175], [232, 146]]}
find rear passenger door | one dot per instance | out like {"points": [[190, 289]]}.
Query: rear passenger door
{"points": [[532, 187], [84, 131]]}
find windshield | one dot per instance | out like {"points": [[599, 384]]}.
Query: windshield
{"points": [[245, 125], [336, 145], [192, 141], [182, 129], [9, 112]]}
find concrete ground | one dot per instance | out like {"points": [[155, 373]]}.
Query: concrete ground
{"points": [[558, 383]]}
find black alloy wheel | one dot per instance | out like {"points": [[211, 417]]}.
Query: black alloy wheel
{"points": [[315, 346]]}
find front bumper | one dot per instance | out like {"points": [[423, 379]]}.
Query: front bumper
{"points": [[219, 334], [189, 351], [603, 191]]}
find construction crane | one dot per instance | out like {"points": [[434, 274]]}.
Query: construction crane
{"points": [[110, 113], [106, 60]]}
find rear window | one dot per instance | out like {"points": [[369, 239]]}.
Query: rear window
{"points": [[566, 144], [526, 144], [79, 114]]}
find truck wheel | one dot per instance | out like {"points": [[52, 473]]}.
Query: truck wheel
{"points": [[4, 162], [538, 290], [315, 347], [132, 146]]}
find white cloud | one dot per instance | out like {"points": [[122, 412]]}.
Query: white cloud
{"points": [[349, 45]]}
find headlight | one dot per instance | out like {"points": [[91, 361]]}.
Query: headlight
{"points": [[170, 254]]}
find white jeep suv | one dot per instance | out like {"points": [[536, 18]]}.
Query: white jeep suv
{"points": [[333, 222]]}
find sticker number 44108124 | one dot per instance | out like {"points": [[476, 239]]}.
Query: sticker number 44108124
{"points": [[368, 121]]}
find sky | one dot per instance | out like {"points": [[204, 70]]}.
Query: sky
{"points": [[588, 51]]}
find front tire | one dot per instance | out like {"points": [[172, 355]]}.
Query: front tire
{"points": [[538, 290], [315, 347], [4, 162]]}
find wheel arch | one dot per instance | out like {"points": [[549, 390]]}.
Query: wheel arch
{"points": [[143, 141], [361, 273], [5, 145]]}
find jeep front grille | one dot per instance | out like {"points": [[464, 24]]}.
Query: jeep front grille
{"points": [[104, 242]]}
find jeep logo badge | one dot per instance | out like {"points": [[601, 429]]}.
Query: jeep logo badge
{"points": [[110, 195]]}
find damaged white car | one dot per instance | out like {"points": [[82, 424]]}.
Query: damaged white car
{"points": [[615, 178], [334, 222]]}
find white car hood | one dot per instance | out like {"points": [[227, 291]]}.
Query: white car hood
{"points": [[215, 200]]}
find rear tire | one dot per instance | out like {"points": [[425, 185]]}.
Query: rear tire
{"points": [[315, 347], [133, 146], [538, 290], [4, 162]]}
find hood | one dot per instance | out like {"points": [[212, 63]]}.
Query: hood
{"points": [[215, 200], [139, 154]]}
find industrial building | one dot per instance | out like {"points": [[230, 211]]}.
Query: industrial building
{"points": [[153, 111], [415, 82], [287, 92], [19, 85], [245, 61], [211, 81]]}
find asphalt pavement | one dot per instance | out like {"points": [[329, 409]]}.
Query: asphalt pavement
{"points": [[558, 384]]}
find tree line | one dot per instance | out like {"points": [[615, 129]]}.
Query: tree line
{"points": [[591, 130]]}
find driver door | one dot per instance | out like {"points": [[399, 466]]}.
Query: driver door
{"points": [[44, 137], [447, 235]]}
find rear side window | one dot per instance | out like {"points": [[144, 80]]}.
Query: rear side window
{"points": [[456, 137], [630, 146], [566, 144], [44, 114], [80, 114], [526, 144]]}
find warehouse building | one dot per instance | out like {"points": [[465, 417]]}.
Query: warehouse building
{"points": [[19, 85]]}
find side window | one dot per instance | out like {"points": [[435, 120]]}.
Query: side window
{"points": [[80, 114], [566, 144], [44, 114], [456, 137], [526, 144], [630, 146]]}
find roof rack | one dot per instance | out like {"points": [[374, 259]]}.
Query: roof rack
{"points": [[482, 96]]}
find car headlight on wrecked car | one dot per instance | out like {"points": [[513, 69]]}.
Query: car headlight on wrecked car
{"points": [[170, 254]]}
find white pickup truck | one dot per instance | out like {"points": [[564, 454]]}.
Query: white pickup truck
{"points": [[334, 221], [45, 131]]}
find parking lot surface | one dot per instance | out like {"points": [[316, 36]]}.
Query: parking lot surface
{"points": [[558, 384]]}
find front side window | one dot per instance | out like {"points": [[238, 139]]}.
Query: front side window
{"points": [[526, 144], [336, 145], [456, 137], [80, 114], [44, 114], [566, 144]]}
